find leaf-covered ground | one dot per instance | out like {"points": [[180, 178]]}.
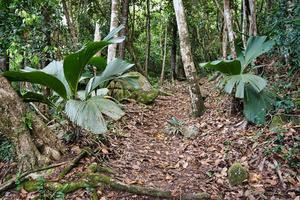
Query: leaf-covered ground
{"points": [[147, 156], [140, 153]]}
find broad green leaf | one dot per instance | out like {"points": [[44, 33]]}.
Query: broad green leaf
{"points": [[55, 68], [38, 77], [74, 63], [113, 33], [88, 114], [256, 105], [256, 46], [36, 97], [241, 80], [98, 62], [114, 69], [229, 67], [100, 92]]}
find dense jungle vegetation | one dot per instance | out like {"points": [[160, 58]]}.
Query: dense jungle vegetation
{"points": [[171, 99]]}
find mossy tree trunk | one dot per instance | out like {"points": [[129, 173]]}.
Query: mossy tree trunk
{"points": [[35, 144]]}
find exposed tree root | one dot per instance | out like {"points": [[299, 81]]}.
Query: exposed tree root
{"points": [[21, 178], [94, 180]]}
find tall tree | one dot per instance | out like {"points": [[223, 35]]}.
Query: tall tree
{"points": [[162, 74], [244, 23], [70, 23], [148, 29], [252, 18], [97, 35], [228, 22], [173, 49], [187, 58], [114, 22], [124, 21]]}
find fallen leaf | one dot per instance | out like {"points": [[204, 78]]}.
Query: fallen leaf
{"points": [[254, 178]]}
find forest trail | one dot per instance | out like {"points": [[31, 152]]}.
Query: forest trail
{"points": [[140, 153], [147, 156]]}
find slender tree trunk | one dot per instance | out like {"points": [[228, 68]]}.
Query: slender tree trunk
{"points": [[164, 56], [227, 15], [252, 18], [244, 24], [224, 42], [70, 24], [228, 22], [97, 36], [173, 48], [124, 21], [34, 143], [114, 22], [187, 58], [148, 29]]}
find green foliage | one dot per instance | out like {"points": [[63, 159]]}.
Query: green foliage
{"points": [[41, 187], [85, 108], [88, 114], [286, 104], [285, 147], [6, 149], [237, 174], [257, 104], [228, 67], [38, 77], [247, 86]]}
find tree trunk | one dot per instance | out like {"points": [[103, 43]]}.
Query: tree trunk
{"points": [[70, 24], [252, 18], [187, 58], [173, 48], [148, 29], [34, 142], [164, 57], [224, 41], [124, 21], [228, 22], [112, 49], [244, 24], [97, 36]]}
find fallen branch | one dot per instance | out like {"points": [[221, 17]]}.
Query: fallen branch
{"points": [[94, 180]]}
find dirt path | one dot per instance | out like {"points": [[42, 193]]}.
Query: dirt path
{"points": [[146, 156], [149, 157]]}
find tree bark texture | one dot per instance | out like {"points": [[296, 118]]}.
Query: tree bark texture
{"points": [[148, 31], [162, 74], [114, 22], [228, 22], [173, 50], [244, 24], [97, 36], [34, 142], [252, 18], [224, 41], [187, 58], [124, 21]]}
